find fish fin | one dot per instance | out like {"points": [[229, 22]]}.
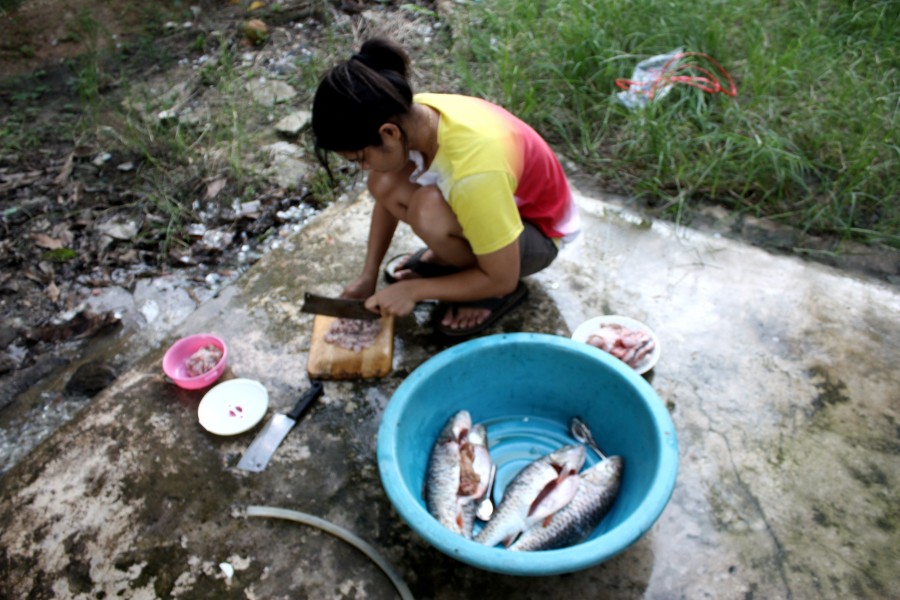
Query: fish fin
{"points": [[548, 489], [508, 541], [547, 520], [543, 494], [554, 496]]}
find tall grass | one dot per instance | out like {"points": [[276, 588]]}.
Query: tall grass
{"points": [[811, 138]]}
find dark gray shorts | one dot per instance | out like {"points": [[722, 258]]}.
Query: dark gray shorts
{"points": [[536, 250]]}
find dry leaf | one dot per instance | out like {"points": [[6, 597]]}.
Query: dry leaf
{"points": [[214, 187], [34, 277], [53, 292], [45, 241], [84, 324], [62, 233], [17, 180], [66, 170], [84, 150]]}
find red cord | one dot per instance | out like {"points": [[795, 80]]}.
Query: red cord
{"points": [[710, 83]]}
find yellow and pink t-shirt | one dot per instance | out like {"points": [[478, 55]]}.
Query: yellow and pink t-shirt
{"points": [[495, 171]]}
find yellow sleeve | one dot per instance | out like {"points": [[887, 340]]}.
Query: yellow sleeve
{"points": [[486, 209]]}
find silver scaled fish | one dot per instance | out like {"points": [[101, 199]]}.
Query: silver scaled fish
{"points": [[535, 493], [574, 523], [458, 471]]}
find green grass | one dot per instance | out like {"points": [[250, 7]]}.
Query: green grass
{"points": [[811, 138]]}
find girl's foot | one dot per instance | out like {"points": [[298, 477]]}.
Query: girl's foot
{"points": [[468, 318], [465, 317], [420, 263]]}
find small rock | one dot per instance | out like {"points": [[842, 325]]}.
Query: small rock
{"points": [[283, 149], [256, 31], [102, 158], [149, 310], [249, 209], [293, 123], [196, 230], [118, 229], [216, 240], [288, 172], [228, 570], [269, 93]]}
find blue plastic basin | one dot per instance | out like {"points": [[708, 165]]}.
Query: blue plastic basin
{"points": [[526, 387]]}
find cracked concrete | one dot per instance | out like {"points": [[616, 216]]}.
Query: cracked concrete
{"points": [[780, 376]]}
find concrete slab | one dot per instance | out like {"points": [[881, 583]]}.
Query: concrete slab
{"points": [[780, 376]]}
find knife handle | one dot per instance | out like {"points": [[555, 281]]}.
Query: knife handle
{"points": [[308, 396]]}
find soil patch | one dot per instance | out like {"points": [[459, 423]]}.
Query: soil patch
{"points": [[42, 34]]}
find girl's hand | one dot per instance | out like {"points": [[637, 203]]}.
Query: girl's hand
{"points": [[360, 289], [394, 300]]}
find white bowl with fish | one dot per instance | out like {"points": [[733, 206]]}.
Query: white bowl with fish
{"points": [[505, 404], [627, 339]]}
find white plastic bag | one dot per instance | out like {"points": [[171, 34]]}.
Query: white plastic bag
{"points": [[646, 82]]}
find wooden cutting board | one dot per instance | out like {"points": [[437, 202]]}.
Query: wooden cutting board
{"points": [[328, 361]]}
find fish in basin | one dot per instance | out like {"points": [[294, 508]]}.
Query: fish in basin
{"points": [[459, 468], [572, 524], [538, 491]]}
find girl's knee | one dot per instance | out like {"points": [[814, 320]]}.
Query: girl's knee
{"points": [[429, 212]]}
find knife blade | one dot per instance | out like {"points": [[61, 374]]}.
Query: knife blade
{"points": [[346, 308], [263, 447]]}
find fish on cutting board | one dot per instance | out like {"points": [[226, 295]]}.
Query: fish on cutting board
{"points": [[331, 361], [353, 334]]}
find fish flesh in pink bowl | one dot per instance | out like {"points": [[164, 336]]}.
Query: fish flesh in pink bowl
{"points": [[524, 389], [196, 361]]}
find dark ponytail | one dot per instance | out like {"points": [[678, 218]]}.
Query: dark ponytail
{"points": [[359, 95]]}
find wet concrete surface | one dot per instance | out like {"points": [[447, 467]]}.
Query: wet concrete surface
{"points": [[780, 376]]}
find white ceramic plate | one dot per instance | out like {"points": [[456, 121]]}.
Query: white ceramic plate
{"points": [[233, 406], [584, 331]]}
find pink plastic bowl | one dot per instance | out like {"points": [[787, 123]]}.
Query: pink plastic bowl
{"points": [[175, 361]]}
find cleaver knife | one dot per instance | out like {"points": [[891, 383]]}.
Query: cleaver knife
{"points": [[337, 307], [263, 447]]}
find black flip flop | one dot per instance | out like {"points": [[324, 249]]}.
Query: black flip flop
{"points": [[498, 307], [415, 264]]}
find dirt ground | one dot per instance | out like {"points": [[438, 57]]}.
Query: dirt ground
{"points": [[74, 214], [54, 193], [45, 32]]}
